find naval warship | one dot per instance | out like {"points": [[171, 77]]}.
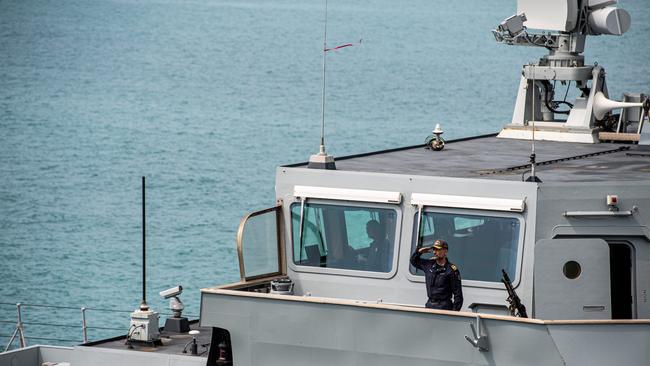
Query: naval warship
{"points": [[546, 220]]}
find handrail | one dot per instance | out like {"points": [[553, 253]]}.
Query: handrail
{"points": [[43, 338], [40, 306], [20, 324], [596, 214], [52, 324], [78, 308]]}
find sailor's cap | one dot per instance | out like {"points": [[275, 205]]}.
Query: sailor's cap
{"points": [[440, 244]]}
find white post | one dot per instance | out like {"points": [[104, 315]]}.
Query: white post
{"points": [[18, 331], [84, 326], [19, 327]]}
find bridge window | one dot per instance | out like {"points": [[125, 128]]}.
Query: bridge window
{"points": [[479, 245], [344, 237]]}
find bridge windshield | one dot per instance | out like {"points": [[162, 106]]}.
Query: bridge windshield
{"points": [[479, 245], [343, 236]]}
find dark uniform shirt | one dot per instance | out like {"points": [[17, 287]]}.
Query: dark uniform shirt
{"points": [[442, 282]]}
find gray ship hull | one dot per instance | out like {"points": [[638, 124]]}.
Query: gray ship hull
{"points": [[269, 329]]}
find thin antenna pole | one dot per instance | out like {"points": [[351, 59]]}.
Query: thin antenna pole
{"points": [[143, 305], [533, 159], [532, 152], [322, 114], [322, 160]]}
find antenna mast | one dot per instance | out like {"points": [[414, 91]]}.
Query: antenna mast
{"points": [[143, 304], [562, 27], [533, 160], [322, 104], [322, 160], [144, 321]]}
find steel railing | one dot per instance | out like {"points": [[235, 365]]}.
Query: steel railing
{"points": [[19, 330]]}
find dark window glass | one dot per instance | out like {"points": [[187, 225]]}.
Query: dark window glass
{"points": [[479, 245], [345, 237]]}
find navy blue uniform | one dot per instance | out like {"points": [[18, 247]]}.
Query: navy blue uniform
{"points": [[442, 282]]}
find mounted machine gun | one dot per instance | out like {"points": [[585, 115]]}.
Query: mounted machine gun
{"points": [[514, 303]]}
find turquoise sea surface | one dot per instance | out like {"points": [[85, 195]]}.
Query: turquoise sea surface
{"points": [[205, 98]]}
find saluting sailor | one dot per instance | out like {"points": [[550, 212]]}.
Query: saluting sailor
{"points": [[442, 277]]}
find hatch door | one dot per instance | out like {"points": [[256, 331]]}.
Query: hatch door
{"points": [[572, 279], [260, 244]]}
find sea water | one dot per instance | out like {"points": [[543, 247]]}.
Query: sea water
{"points": [[205, 98]]}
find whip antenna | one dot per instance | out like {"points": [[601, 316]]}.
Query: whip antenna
{"points": [[533, 160], [322, 160], [322, 103], [144, 321], [143, 305]]}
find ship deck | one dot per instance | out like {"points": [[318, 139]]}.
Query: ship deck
{"points": [[172, 343], [489, 157]]}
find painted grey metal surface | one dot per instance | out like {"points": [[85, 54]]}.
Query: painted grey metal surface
{"points": [[172, 343], [506, 159], [602, 344], [36, 356], [584, 294], [269, 331], [29, 356], [276, 332], [86, 356], [554, 199], [93, 356]]}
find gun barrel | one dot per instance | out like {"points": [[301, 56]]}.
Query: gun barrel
{"points": [[505, 275]]}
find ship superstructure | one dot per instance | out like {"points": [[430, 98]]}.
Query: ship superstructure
{"points": [[577, 263]]}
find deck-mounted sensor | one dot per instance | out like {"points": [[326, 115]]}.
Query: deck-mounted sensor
{"points": [[435, 141], [562, 27], [177, 323]]}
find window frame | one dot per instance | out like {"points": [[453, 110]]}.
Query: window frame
{"points": [[279, 238], [339, 271], [487, 213]]}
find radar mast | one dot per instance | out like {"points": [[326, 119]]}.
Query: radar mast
{"points": [[562, 27]]}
